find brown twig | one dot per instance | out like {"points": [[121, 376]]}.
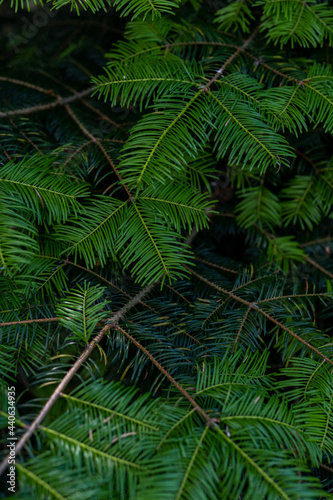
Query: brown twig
{"points": [[83, 101], [178, 293], [26, 84], [292, 297], [315, 242], [102, 115], [6, 154], [306, 158], [216, 266], [318, 266], [324, 466], [27, 321], [61, 101]]}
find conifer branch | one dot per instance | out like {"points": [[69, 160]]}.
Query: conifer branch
{"points": [[144, 304], [70, 374], [210, 422], [121, 205], [254, 307]]}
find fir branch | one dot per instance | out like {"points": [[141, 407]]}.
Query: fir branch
{"points": [[70, 374], [253, 306], [210, 422]]}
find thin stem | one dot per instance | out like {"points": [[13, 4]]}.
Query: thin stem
{"points": [[102, 115], [178, 293], [27, 321], [84, 102], [26, 84], [306, 158], [315, 242], [6, 154], [324, 466], [61, 101], [292, 296], [216, 266], [318, 266]]}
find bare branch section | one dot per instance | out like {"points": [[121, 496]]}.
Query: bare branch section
{"points": [[70, 374], [60, 101], [28, 321]]}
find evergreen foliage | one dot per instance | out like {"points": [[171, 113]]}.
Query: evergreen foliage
{"points": [[166, 183]]}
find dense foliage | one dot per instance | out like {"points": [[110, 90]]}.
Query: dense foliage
{"points": [[166, 183]]}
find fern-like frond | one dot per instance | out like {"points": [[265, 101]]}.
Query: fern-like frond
{"points": [[18, 243], [180, 207], [313, 406], [36, 183], [162, 140], [297, 22], [284, 249], [135, 8], [23, 4], [95, 235], [154, 251], [262, 205], [81, 310], [144, 7], [236, 14], [242, 134], [300, 202], [285, 107], [136, 82]]}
